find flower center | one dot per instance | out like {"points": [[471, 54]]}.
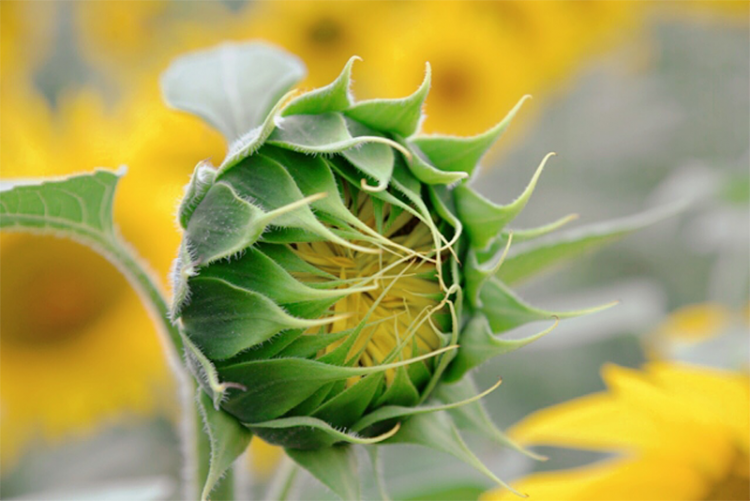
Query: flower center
{"points": [[736, 484], [396, 293], [48, 300]]}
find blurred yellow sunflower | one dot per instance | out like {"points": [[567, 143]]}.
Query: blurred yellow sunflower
{"points": [[703, 333], [682, 433], [77, 347], [486, 55]]}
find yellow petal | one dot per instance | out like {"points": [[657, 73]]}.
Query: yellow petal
{"points": [[637, 414], [620, 479]]}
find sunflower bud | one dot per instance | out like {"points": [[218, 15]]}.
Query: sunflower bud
{"points": [[337, 270]]}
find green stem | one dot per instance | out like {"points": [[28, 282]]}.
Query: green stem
{"points": [[196, 445], [149, 290], [283, 481]]}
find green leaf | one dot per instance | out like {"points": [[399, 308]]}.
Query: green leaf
{"points": [[78, 207], [532, 258], [233, 87], [400, 392], [205, 373], [472, 416], [335, 467], [483, 219], [228, 439], [436, 431], [333, 97], [450, 153], [399, 116]]}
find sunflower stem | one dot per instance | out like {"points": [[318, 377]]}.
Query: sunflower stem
{"points": [[196, 446], [283, 482], [151, 294]]}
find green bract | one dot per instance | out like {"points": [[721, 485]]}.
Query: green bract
{"points": [[338, 275]]}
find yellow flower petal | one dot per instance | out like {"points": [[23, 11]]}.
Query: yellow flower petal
{"points": [[615, 480]]}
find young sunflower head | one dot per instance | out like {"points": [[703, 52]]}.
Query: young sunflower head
{"points": [[336, 269], [317, 274]]}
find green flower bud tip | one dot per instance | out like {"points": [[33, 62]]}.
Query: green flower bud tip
{"points": [[337, 270]]}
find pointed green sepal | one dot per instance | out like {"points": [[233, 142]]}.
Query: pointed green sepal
{"points": [[398, 116], [225, 223], [478, 344], [505, 310], [483, 219], [420, 166], [233, 87], [252, 140], [294, 433], [223, 319], [532, 258], [392, 412], [276, 386], [201, 181], [335, 96], [205, 373], [476, 273], [527, 234], [451, 153], [228, 440], [437, 431], [336, 467], [473, 417]]}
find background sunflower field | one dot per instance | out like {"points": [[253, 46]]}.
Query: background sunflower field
{"points": [[645, 103]]}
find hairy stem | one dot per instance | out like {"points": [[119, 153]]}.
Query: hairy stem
{"points": [[196, 447], [283, 482]]}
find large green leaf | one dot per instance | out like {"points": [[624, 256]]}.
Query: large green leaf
{"points": [[532, 258], [228, 440], [78, 207], [233, 86]]}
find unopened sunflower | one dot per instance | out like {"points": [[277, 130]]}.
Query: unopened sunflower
{"points": [[336, 271], [337, 277]]}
